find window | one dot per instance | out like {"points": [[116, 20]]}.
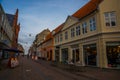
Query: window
{"points": [[110, 19], [92, 24], [77, 30], [84, 27], [72, 32], [60, 37], [55, 40], [66, 35]]}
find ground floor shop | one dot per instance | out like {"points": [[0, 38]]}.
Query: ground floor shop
{"points": [[94, 51]]}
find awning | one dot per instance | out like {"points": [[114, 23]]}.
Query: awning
{"points": [[13, 50], [3, 46]]}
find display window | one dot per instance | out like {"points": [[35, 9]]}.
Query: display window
{"points": [[90, 54], [75, 55], [113, 54], [65, 55]]}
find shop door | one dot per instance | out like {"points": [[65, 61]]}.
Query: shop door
{"points": [[90, 54], [75, 55]]}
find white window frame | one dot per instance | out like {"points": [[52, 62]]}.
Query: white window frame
{"points": [[66, 35], [110, 17], [92, 24], [78, 31], [72, 32], [84, 27]]}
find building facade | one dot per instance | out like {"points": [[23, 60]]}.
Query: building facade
{"points": [[9, 30], [47, 47], [36, 46], [6, 34], [91, 36]]}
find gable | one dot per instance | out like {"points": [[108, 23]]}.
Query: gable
{"points": [[69, 21]]}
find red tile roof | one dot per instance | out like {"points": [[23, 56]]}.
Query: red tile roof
{"points": [[58, 28], [87, 9], [49, 36], [82, 12]]}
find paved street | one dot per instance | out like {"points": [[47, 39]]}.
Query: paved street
{"points": [[42, 70], [31, 70]]}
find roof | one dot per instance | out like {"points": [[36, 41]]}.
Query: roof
{"points": [[87, 9], [91, 6], [58, 28], [10, 18], [49, 36]]}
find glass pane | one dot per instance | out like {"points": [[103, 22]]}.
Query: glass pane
{"points": [[113, 23], [112, 14], [106, 15], [107, 24]]}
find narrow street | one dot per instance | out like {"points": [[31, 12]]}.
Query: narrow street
{"points": [[32, 70]]}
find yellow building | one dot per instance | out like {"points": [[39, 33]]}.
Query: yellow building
{"points": [[90, 36]]}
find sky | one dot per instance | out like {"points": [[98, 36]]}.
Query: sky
{"points": [[37, 15]]}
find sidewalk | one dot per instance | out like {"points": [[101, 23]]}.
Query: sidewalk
{"points": [[100, 74], [94, 73], [3, 64]]}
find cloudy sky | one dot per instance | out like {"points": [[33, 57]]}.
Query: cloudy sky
{"points": [[37, 15]]}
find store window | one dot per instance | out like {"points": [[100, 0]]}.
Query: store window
{"points": [[65, 55], [57, 55], [110, 19], [113, 54], [90, 54], [75, 55]]}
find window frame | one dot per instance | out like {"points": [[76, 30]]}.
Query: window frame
{"points": [[92, 22], [72, 32], [66, 35], [84, 27], [78, 32], [110, 19]]}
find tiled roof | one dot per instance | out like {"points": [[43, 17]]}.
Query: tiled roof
{"points": [[49, 36], [87, 9], [10, 18], [82, 12], [58, 28]]}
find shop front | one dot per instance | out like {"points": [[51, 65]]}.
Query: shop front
{"points": [[49, 55], [113, 54], [75, 55], [90, 54], [57, 53], [64, 55]]}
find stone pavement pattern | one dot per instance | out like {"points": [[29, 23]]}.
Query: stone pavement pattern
{"points": [[94, 73], [30, 70]]}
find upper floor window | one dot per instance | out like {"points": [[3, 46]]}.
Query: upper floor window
{"points": [[55, 39], [110, 19], [77, 30], [66, 35], [72, 32], [84, 28], [60, 37], [92, 24]]}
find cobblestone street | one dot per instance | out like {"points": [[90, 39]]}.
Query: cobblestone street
{"points": [[31, 70], [42, 70]]}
